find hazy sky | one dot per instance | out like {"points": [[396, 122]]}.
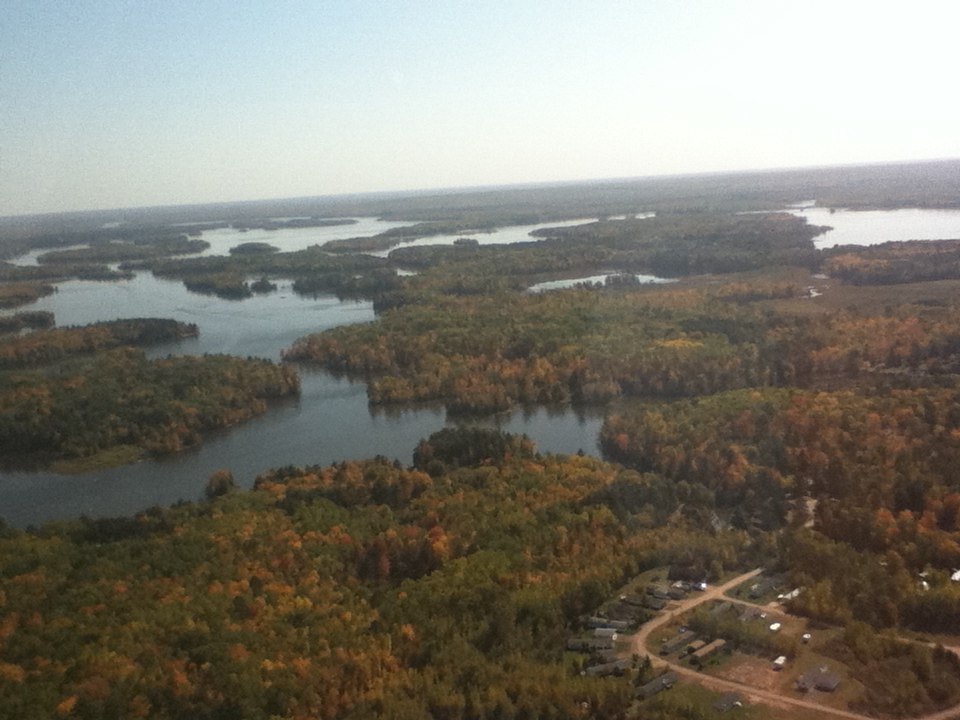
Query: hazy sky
{"points": [[118, 103]]}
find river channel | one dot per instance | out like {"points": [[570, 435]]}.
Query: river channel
{"points": [[331, 420]]}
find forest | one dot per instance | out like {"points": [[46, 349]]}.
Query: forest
{"points": [[89, 394], [768, 404], [353, 591]]}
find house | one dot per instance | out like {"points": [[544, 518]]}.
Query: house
{"points": [[695, 646], [707, 651], [676, 594], [678, 642], [618, 667], [594, 622], [585, 645], [664, 682], [655, 603], [727, 702], [633, 599], [605, 633], [607, 656], [658, 592], [751, 613], [821, 679], [765, 585]]}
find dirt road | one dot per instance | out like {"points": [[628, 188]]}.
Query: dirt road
{"points": [[639, 647]]}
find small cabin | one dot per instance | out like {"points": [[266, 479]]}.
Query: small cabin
{"points": [[707, 651]]}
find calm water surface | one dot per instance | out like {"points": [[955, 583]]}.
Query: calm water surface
{"points": [[872, 227], [330, 421]]}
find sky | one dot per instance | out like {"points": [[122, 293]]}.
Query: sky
{"points": [[129, 103]]}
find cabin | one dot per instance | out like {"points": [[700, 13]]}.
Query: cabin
{"points": [[585, 645], [695, 646], [671, 646], [658, 592], [605, 633], [594, 623], [821, 679], [664, 682], [633, 599], [654, 603], [618, 667], [765, 585], [606, 656], [707, 652]]}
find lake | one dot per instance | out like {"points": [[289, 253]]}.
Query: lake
{"points": [[331, 420], [872, 227]]}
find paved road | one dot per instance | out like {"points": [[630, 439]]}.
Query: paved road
{"points": [[639, 647]]}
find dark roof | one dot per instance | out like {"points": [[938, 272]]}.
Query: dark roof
{"points": [[765, 584], [618, 667], [595, 622], [821, 679], [708, 650], [664, 682], [677, 643], [588, 644], [727, 702], [655, 603]]}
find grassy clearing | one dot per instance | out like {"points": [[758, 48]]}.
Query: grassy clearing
{"points": [[103, 460]]}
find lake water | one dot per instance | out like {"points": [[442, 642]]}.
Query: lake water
{"points": [[331, 420], [872, 227], [502, 236], [593, 280]]}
